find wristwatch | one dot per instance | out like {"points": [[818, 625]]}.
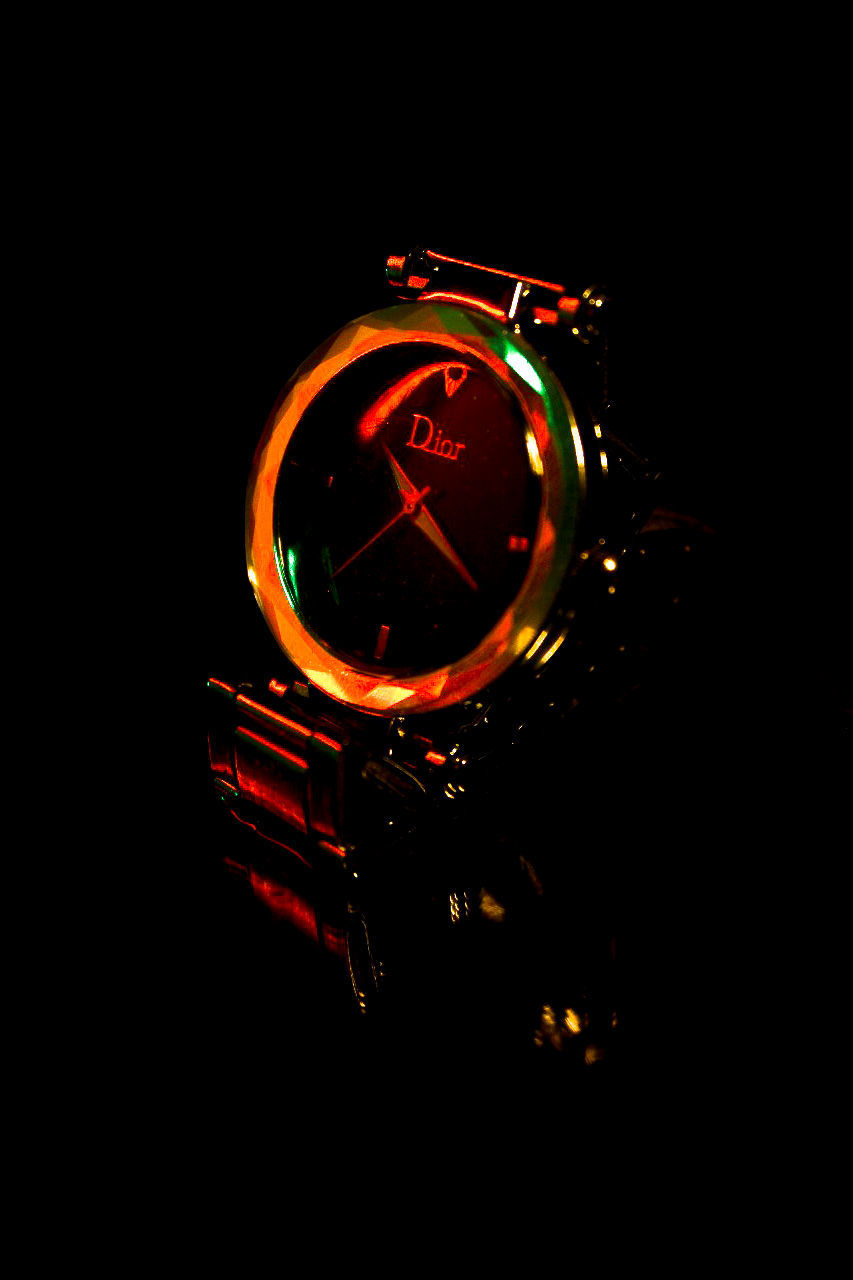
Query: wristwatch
{"points": [[451, 549]]}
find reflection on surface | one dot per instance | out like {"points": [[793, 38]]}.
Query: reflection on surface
{"points": [[474, 961], [568, 1031], [488, 911]]}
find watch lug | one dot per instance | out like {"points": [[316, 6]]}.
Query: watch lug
{"points": [[426, 275], [528, 305]]}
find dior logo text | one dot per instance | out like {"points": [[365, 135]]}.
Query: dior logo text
{"points": [[425, 435]]}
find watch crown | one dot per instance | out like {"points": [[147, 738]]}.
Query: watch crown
{"points": [[394, 268], [409, 271]]}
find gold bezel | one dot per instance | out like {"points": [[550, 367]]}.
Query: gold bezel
{"points": [[555, 446]]}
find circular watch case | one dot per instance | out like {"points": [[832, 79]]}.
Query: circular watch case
{"points": [[432, 340]]}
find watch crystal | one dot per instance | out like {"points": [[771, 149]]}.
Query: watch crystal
{"points": [[406, 507]]}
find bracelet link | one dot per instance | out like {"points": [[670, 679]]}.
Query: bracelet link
{"points": [[284, 762]]}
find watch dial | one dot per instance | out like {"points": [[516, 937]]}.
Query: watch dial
{"points": [[406, 509]]}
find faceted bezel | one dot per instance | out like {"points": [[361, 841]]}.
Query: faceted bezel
{"points": [[555, 443]]}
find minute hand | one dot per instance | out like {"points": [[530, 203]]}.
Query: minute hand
{"points": [[426, 522]]}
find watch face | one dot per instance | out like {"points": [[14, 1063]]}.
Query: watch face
{"points": [[406, 509], [411, 511]]}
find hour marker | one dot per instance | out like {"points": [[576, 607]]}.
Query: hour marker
{"points": [[516, 543], [381, 643], [454, 376]]}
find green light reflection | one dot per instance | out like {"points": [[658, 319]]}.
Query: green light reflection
{"points": [[327, 565], [523, 368], [287, 576]]}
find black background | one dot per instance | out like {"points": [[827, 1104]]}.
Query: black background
{"points": [[248, 273]]}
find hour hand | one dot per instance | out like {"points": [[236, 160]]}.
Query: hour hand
{"points": [[425, 521]]}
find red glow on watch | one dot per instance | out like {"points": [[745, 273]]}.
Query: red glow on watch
{"points": [[292, 726], [338, 850], [465, 300], [334, 940], [220, 684], [495, 271], [278, 792], [275, 750], [264, 835], [286, 904], [375, 417]]}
